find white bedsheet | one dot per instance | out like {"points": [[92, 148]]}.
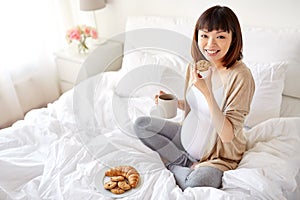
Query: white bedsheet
{"points": [[56, 153]]}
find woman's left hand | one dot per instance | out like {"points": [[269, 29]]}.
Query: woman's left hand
{"points": [[202, 83]]}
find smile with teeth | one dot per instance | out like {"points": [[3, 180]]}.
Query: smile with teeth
{"points": [[212, 51]]}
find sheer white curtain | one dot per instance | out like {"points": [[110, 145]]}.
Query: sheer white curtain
{"points": [[31, 31]]}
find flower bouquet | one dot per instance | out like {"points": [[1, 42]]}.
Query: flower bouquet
{"points": [[79, 34]]}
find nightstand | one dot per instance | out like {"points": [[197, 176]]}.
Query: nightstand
{"points": [[73, 67]]}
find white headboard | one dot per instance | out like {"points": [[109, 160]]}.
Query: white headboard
{"points": [[267, 13]]}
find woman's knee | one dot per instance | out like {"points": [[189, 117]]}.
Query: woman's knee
{"points": [[205, 177], [140, 125], [152, 124], [142, 122]]}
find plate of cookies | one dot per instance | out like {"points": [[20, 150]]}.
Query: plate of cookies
{"points": [[117, 182]]}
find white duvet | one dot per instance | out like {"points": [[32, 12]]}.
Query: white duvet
{"points": [[59, 152]]}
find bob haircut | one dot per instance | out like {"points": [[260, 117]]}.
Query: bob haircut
{"points": [[220, 18]]}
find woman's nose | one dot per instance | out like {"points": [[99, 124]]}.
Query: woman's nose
{"points": [[211, 42]]}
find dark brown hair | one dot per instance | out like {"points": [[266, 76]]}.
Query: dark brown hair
{"points": [[220, 18]]}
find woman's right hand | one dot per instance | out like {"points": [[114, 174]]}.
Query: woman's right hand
{"points": [[156, 96], [180, 105]]}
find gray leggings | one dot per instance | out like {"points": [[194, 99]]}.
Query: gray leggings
{"points": [[163, 137]]}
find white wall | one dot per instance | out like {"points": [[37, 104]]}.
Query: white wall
{"points": [[270, 13]]}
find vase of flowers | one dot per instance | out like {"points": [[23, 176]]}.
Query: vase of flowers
{"points": [[80, 34]]}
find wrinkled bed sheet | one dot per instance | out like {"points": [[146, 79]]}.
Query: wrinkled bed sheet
{"points": [[57, 152]]}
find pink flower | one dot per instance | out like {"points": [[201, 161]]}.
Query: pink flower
{"points": [[87, 31], [94, 34], [74, 34]]}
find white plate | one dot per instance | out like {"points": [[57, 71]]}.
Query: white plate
{"points": [[101, 179]]}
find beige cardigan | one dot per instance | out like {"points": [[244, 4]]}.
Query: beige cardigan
{"points": [[238, 91]]}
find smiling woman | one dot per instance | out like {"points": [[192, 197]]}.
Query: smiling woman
{"points": [[210, 139], [214, 45], [218, 30]]}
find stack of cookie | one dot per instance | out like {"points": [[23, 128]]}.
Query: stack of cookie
{"points": [[117, 185], [122, 178]]}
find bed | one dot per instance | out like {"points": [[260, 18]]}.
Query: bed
{"points": [[62, 151]]}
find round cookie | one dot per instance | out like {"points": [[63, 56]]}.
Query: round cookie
{"points": [[110, 185], [117, 190], [203, 65], [117, 178], [124, 185]]}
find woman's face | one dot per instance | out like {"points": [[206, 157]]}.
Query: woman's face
{"points": [[214, 45]]}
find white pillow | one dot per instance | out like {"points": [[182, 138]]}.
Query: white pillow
{"points": [[140, 58], [275, 45], [147, 71], [148, 80], [269, 84]]}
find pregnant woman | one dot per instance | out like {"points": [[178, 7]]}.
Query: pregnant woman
{"points": [[210, 139]]}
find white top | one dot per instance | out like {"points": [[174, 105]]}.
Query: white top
{"points": [[198, 126]]}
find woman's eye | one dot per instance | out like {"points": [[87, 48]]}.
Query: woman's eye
{"points": [[203, 36], [221, 37]]}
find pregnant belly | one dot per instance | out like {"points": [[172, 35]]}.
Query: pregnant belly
{"points": [[195, 132]]}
